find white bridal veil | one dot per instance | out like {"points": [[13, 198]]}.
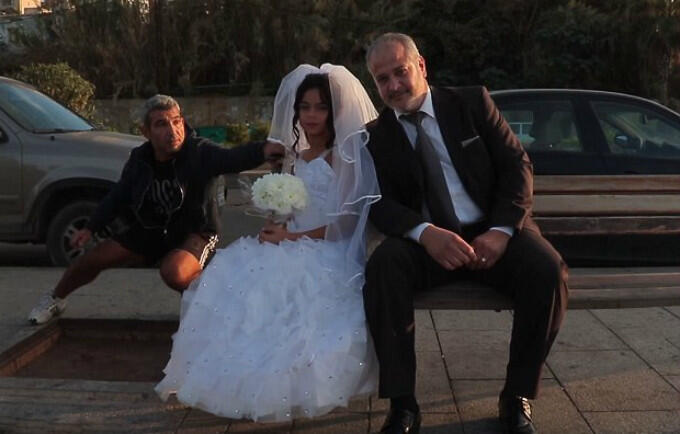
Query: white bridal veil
{"points": [[356, 185]]}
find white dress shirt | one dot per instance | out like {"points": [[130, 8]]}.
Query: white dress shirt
{"points": [[466, 210]]}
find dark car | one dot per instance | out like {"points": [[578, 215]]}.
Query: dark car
{"points": [[607, 173], [54, 169]]}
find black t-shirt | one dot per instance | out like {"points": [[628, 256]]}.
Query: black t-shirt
{"points": [[164, 196]]}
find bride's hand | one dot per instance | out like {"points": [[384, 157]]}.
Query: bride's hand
{"points": [[273, 233]]}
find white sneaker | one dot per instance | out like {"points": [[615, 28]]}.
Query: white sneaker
{"points": [[47, 308]]}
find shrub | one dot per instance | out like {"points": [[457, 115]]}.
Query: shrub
{"points": [[259, 130], [237, 133], [61, 82]]}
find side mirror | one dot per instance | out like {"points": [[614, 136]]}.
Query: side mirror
{"points": [[627, 142]]}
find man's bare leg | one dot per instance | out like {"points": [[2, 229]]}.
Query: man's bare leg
{"points": [[107, 254], [181, 266]]}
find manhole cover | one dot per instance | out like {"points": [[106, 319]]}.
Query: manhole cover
{"points": [[105, 350]]}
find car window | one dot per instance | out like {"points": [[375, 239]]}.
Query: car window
{"points": [[544, 125], [633, 130], [37, 112]]}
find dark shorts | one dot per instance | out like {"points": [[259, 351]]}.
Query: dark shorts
{"points": [[153, 245]]}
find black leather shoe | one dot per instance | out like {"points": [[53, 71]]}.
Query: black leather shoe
{"points": [[514, 413], [401, 421]]}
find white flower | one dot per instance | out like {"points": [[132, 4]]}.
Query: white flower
{"points": [[281, 194]]}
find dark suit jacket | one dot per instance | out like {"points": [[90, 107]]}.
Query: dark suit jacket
{"points": [[494, 169]]}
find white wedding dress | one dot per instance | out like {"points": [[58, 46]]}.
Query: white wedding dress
{"points": [[274, 332]]}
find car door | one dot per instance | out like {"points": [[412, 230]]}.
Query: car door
{"points": [[10, 179], [550, 126], [573, 188], [641, 140]]}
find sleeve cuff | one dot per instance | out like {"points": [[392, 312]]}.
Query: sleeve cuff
{"points": [[416, 232], [505, 229]]}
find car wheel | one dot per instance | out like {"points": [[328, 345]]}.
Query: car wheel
{"points": [[65, 223]]}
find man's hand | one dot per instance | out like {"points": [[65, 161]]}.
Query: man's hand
{"points": [[273, 153], [273, 233], [489, 247], [80, 238], [447, 248]]}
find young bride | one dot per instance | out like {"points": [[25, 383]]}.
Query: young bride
{"points": [[274, 328]]}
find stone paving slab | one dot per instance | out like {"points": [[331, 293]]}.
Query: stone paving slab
{"points": [[432, 386], [581, 331], [478, 404], [675, 381], [611, 381], [426, 337], [674, 310], [654, 348], [41, 405], [656, 318], [634, 422], [485, 353], [433, 423], [446, 320], [339, 422], [251, 427], [200, 422]]}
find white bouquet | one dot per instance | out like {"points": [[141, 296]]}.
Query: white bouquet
{"points": [[278, 196]]}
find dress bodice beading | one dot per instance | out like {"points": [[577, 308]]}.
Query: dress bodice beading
{"points": [[318, 176]]}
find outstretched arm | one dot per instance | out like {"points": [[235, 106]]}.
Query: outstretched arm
{"points": [[217, 160]]}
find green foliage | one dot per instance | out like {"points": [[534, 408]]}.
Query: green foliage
{"points": [[259, 130], [62, 83], [238, 133], [136, 48], [570, 45], [621, 45]]}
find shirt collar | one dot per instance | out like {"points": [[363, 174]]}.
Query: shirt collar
{"points": [[426, 107]]}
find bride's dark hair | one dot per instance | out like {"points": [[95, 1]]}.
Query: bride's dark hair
{"points": [[320, 82]]}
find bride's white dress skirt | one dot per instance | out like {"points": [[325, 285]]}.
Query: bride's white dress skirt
{"points": [[270, 333]]}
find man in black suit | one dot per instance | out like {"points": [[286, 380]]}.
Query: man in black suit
{"points": [[456, 204]]}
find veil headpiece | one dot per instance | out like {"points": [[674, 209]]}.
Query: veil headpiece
{"points": [[356, 186]]}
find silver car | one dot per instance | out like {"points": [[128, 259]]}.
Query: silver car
{"points": [[54, 169]]}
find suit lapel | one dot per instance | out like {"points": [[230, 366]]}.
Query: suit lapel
{"points": [[402, 143], [401, 148], [456, 125], [453, 125]]}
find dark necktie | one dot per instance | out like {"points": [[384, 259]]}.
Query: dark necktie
{"points": [[438, 197]]}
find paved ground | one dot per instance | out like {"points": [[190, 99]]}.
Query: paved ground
{"points": [[614, 371]]}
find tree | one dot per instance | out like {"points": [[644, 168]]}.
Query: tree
{"points": [[570, 47]]}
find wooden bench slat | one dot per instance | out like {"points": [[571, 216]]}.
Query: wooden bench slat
{"points": [[606, 204], [620, 225], [606, 183], [672, 269], [487, 298], [624, 297], [597, 288], [463, 296], [623, 280]]}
